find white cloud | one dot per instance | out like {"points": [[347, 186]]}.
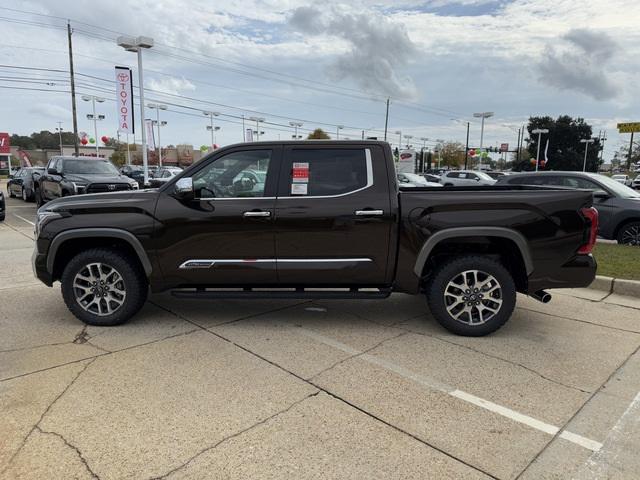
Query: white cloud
{"points": [[171, 85]]}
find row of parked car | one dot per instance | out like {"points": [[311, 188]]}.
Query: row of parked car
{"points": [[64, 176], [617, 203]]}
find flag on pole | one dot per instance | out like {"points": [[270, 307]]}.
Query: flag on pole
{"points": [[546, 149], [151, 140]]}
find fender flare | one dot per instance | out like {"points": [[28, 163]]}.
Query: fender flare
{"points": [[128, 237], [501, 232]]}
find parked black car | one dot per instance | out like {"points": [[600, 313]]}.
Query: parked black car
{"points": [[136, 172], [65, 176], [618, 205], [328, 221], [21, 184]]}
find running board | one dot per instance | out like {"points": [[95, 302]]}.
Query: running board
{"points": [[301, 293]]}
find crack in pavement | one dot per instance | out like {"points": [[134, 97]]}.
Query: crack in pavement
{"points": [[585, 321], [234, 435], [83, 337], [563, 428], [351, 357], [337, 397], [496, 357], [93, 357], [399, 325], [46, 411], [73, 447]]}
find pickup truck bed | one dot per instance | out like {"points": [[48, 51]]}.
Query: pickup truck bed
{"points": [[316, 219]]}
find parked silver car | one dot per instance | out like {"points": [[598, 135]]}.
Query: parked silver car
{"points": [[623, 179], [415, 180], [465, 178]]}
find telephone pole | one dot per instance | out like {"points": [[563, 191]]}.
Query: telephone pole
{"points": [[386, 121], [76, 147]]}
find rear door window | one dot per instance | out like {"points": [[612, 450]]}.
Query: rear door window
{"points": [[326, 172]]}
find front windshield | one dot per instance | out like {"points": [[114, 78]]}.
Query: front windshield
{"points": [[617, 188], [484, 176], [96, 167]]}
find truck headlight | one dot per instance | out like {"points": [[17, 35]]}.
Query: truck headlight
{"points": [[44, 217], [79, 187]]}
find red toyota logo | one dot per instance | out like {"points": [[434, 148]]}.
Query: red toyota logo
{"points": [[123, 77]]}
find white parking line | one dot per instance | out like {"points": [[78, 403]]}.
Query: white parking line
{"points": [[24, 219], [454, 392], [614, 445]]}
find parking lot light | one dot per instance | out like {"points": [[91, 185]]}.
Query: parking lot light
{"points": [[94, 117], [539, 132], [586, 142]]}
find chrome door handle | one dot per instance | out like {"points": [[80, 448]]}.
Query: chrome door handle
{"points": [[256, 214], [369, 213]]}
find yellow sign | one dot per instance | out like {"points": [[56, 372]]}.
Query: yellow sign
{"points": [[629, 127]]}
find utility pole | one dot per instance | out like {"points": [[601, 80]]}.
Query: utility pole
{"points": [[76, 146], [482, 115], [386, 121], [466, 151]]}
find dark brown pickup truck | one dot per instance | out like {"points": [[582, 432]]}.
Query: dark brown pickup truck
{"points": [[316, 219]]}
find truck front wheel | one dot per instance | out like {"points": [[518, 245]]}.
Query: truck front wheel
{"points": [[471, 295], [103, 287]]}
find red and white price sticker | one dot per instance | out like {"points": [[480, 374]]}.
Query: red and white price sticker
{"points": [[300, 172]]}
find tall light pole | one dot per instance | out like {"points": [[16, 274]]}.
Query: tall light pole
{"points": [[295, 126], [210, 114], [482, 115], [59, 130], [157, 107], [137, 44], [338, 128], [258, 120], [539, 132], [408, 139], [93, 99], [586, 142], [213, 129], [399, 132]]}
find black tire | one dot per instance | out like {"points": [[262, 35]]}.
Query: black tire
{"points": [[629, 234], [25, 194], [479, 311], [132, 282], [9, 192]]}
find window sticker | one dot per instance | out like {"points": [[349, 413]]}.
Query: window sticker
{"points": [[299, 188], [300, 173]]}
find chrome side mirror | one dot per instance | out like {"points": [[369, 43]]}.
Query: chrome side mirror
{"points": [[183, 189]]}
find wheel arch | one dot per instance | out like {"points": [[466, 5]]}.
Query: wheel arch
{"points": [[70, 242], [497, 241]]}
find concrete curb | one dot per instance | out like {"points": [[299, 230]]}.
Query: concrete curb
{"points": [[618, 286]]}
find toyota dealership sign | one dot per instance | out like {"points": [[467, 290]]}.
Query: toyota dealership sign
{"points": [[124, 95]]}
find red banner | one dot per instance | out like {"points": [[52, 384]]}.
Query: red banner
{"points": [[5, 144]]}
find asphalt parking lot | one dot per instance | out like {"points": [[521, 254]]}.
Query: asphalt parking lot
{"points": [[293, 389]]}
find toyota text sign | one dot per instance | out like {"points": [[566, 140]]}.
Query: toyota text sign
{"points": [[124, 95]]}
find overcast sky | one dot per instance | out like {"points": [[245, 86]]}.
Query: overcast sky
{"points": [[327, 63]]}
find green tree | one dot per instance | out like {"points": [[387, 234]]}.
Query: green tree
{"points": [[566, 152], [44, 139], [450, 154], [318, 134]]}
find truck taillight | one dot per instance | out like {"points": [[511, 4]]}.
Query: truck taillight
{"points": [[591, 214]]}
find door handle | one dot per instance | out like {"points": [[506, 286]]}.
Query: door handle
{"points": [[369, 213], [261, 213]]}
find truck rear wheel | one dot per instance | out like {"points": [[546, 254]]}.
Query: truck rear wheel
{"points": [[103, 287], [471, 295]]}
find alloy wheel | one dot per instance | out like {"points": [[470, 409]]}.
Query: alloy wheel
{"points": [[99, 289], [631, 235], [473, 297]]}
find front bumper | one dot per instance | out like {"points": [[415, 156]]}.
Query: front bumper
{"points": [[578, 272]]}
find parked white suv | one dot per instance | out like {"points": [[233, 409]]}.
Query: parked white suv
{"points": [[465, 178], [623, 179], [636, 183]]}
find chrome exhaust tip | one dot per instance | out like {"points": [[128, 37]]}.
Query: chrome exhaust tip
{"points": [[541, 296]]}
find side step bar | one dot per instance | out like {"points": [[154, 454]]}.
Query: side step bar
{"points": [[371, 293]]}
